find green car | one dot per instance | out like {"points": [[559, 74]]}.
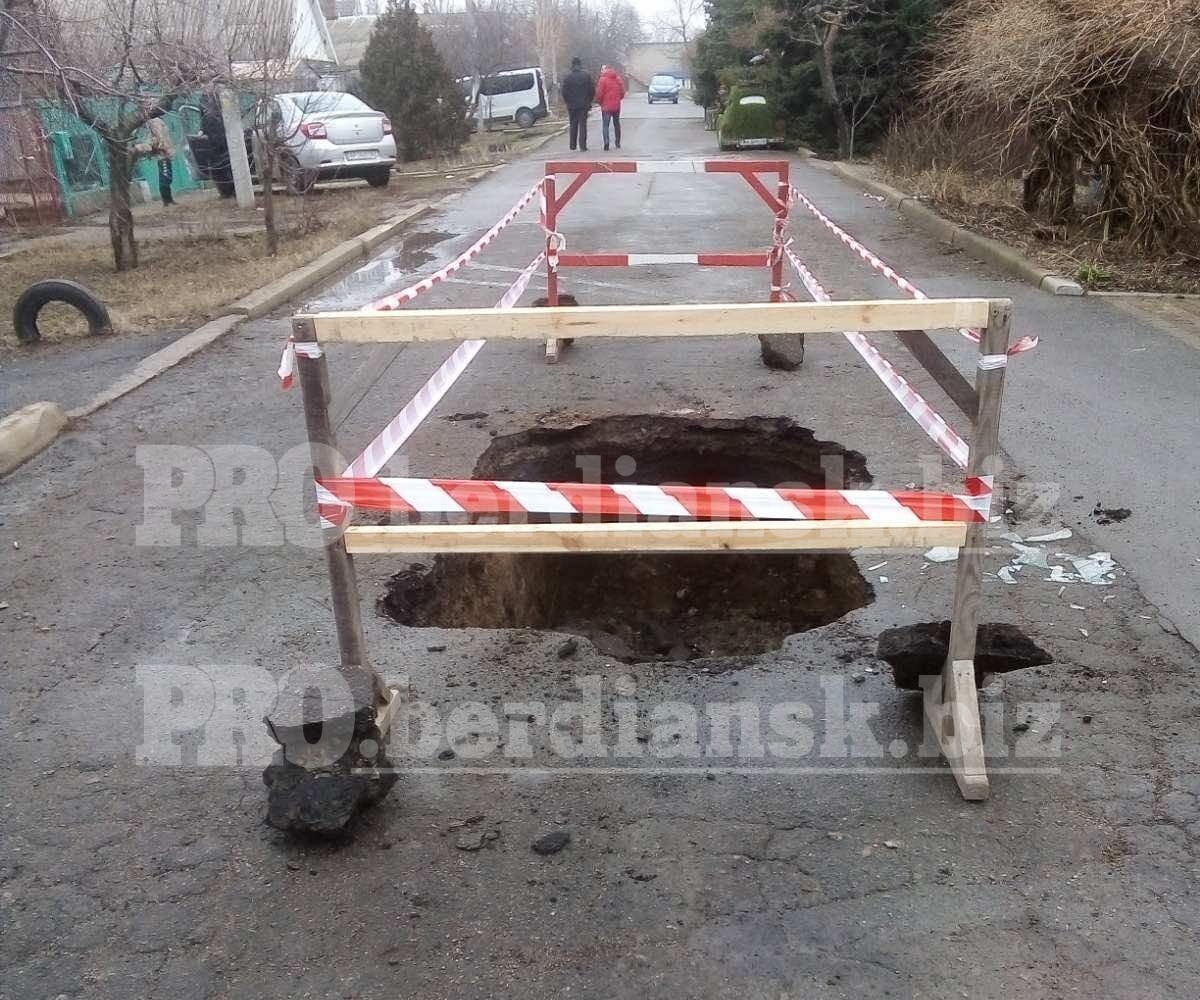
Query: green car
{"points": [[748, 122]]}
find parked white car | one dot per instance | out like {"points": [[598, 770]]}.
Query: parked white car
{"points": [[327, 134], [517, 95]]}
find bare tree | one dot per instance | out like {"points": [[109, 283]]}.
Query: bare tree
{"points": [[264, 66], [549, 27], [681, 22], [603, 33], [116, 64]]}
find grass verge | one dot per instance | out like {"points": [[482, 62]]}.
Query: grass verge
{"points": [[197, 260]]}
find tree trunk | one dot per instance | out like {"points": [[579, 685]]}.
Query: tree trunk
{"points": [[829, 89], [120, 214], [267, 173]]}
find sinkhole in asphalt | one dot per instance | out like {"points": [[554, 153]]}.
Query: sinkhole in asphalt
{"points": [[637, 607]]}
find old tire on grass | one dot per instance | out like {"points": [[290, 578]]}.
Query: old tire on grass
{"points": [[42, 293]]}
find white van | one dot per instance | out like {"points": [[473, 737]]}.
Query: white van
{"points": [[517, 95]]}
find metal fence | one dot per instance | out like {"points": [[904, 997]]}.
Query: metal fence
{"points": [[30, 190]]}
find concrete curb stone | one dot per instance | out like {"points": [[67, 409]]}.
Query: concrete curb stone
{"points": [[25, 432], [158, 362], [986, 249], [276, 293]]}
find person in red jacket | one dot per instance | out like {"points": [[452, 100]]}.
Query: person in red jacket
{"points": [[609, 91]]}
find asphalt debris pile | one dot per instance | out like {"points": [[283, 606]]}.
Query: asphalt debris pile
{"points": [[920, 650]]}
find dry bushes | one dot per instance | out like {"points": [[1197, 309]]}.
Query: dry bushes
{"points": [[1113, 85]]}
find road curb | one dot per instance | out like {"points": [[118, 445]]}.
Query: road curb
{"points": [[271, 296], [25, 432], [988, 250], [158, 362]]}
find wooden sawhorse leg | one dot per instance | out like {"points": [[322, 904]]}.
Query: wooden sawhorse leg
{"points": [[951, 700]]}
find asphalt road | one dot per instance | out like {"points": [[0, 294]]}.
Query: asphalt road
{"points": [[135, 861]]}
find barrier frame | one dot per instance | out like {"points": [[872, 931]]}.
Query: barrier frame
{"points": [[950, 699], [553, 203]]}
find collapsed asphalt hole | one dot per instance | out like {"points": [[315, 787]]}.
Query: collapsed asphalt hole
{"points": [[645, 607]]}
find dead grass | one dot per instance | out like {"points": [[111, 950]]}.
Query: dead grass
{"points": [[186, 279], [989, 204]]}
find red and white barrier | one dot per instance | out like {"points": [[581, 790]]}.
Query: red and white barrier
{"points": [[728, 166], [733, 259], [882, 267], [628, 502], [397, 299], [930, 421], [401, 427]]}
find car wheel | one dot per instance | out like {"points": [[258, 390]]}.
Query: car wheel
{"points": [[524, 118], [296, 179], [379, 178], [225, 189], [675, 100], [41, 293]]}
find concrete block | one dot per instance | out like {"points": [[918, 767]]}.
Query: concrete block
{"points": [[27, 431], [1055, 285]]}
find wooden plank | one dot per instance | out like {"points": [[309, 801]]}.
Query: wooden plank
{"points": [[714, 320], [710, 536], [347, 611], [952, 704], [386, 713], [952, 707], [941, 369]]}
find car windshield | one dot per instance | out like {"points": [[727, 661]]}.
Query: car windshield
{"points": [[327, 102], [663, 81]]}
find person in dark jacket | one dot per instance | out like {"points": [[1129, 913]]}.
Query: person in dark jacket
{"points": [[577, 91]]}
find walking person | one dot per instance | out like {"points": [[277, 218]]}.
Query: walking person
{"points": [[609, 92], [577, 91], [160, 146]]}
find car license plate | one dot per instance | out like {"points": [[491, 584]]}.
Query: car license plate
{"points": [[362, 154], [754, 143]]}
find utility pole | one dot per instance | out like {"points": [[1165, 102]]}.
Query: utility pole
{"points": [[235, 140]]}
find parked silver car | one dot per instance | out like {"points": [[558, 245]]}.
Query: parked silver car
{"points": [[325, 134]]}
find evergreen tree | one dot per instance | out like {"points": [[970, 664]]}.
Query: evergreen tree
{"points": [[874, 64], [404, 76]]}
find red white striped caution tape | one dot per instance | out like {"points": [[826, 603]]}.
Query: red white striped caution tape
{"points": [[287, 364], [895, 277], [397, 299], [446, 499], [401, 427], [930, 421]]}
